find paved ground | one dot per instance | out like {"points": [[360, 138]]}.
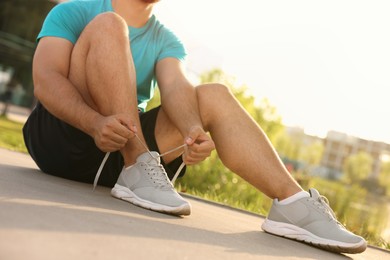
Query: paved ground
{"points": [[43, 217], [16, 113]]}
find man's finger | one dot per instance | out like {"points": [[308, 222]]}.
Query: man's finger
{"points": [[193, 135], [119, 139], [127, 122], [123, 131]]}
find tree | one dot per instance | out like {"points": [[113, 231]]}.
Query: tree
{"points": [[384, 176], [312, 153], [289, 146], [20, 23], [357, 167], [262, 112]]}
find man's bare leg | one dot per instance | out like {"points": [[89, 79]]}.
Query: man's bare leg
{"points": [[244, 148], [241, 144], [102, 69]]}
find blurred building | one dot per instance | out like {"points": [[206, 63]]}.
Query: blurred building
{"points": [[338, 146]]}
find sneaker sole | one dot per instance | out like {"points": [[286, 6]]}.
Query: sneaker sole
{"points": [[302, 235], [126, 194]]}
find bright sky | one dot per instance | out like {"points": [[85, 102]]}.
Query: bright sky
{"points": [[325, 65]]}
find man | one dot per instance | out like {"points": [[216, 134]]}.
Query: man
{"points": [[94, 71]]}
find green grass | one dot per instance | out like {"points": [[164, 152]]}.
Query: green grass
{"points": [[11, 136]]}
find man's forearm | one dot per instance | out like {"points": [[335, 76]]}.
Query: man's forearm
{"points": [[63, 100]]}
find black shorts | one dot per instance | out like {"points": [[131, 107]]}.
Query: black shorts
{"points": [[62, 150]]}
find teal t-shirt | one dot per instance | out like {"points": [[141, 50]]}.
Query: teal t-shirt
{"points": [[149, 44]]}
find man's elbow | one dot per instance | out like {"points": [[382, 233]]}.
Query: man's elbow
{"points": [[41, 81], [37, 80], [37, 91]]}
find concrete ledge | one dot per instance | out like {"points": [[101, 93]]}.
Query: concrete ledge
{"points": [[44, 217]]}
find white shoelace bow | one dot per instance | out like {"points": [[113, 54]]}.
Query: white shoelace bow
{"points": [[147, 149]]}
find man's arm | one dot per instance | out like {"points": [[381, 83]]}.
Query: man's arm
{"points": [[55, 91], [53, 88], [179, 101]]}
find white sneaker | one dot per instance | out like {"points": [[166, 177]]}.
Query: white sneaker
{"points": [[312, 221], [146, 184]]}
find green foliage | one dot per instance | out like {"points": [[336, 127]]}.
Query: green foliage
{"points": [[289, 146], [264, 113], [294, 147], [384, 176], [20, 23], [23, 18], [312, 153], [357, 167], [155, 101], [11, 135]]}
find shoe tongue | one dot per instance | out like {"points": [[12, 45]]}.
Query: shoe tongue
{"points": [[314, 193], [147, 158]]}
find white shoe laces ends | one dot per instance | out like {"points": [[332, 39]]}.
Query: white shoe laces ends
{"points": [[158, 178]]}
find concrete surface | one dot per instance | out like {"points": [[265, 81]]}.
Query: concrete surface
{"points": [[16, 113], [44, 217]]}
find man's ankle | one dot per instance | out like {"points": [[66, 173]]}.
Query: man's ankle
{"points": [[295, 197], [130, 158], [288, 192]]}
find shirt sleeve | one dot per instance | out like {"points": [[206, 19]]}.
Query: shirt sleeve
{"points": [[65, 20], [172, 46]]}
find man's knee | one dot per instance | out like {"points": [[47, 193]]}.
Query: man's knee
{"points": [[108, 25], [212, 92], [211, 97]]}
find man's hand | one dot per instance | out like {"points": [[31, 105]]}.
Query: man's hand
{"points": [[112, 132], [199, 146]]}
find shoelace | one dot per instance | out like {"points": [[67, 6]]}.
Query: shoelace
{"points": [[152, 157], [323, 203], [154, 172]]}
